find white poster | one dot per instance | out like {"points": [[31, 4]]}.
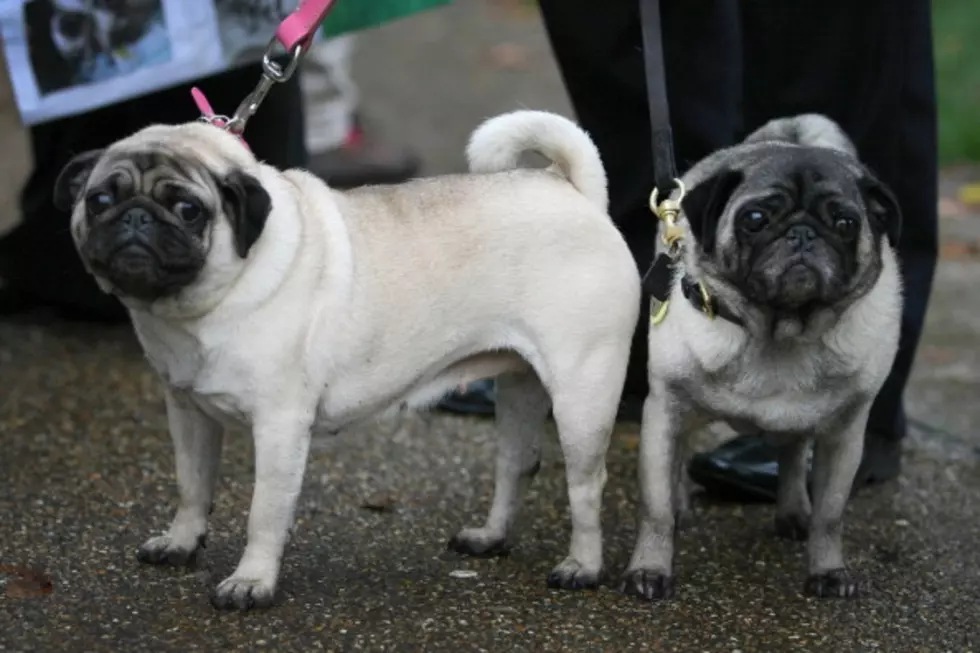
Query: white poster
{"points": [[70, 56]]}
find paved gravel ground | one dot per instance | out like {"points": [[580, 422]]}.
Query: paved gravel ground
{"points": [[86, 475], [87, 470]]}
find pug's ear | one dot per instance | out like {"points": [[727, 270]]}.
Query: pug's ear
{"points": [[72, 178], [884, 214], [247, 205], [704, 204]]}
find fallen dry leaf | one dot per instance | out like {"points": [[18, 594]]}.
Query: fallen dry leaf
{"points": [[934, 355], [969, 194], [517, 8], [950, 208], [379, 502], [28, 584], [107, 490], [630, 441], [957, 250], [508, 56]]}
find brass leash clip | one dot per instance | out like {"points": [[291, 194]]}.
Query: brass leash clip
{"points": [[671, 236], [667, 212]]}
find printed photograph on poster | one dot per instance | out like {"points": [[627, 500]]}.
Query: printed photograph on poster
{"points": [[78, 42], [246, 26]]}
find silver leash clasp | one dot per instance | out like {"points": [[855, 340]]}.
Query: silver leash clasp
{"points": [[272, 74]]}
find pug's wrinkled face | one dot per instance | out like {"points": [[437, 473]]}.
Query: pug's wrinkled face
{"points": [[146, 220], [793, 229]]}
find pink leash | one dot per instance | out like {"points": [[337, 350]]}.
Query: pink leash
{"points": [[295, 35]]}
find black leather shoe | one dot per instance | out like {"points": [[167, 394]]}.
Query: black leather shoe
{"points": [[477, 399], [742, 469], [745, 468], [13, 302], [882, 461]]}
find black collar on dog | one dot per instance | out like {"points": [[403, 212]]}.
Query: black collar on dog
{"points": [[698, 295], [657, 282]]}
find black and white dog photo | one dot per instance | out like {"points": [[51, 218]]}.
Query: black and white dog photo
{"points": [[74, 42]]}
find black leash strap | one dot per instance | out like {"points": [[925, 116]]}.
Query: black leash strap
{"points": [[664, 169], [658, 280]]}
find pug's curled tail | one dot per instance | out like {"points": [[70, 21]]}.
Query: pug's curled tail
{"points": [[809, 129], [498, 143]]}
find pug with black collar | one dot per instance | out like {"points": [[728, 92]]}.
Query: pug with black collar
{"points": [[265, 299], [783, 316]]}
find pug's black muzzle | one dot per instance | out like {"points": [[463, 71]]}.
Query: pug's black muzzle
{"points": [[797, 269], [143, 255]]}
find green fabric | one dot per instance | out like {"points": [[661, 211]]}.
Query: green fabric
{"points": [[354, 15]]}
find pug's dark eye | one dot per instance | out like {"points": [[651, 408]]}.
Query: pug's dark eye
{"points": [[846, 227], [752, 220], [187, 210], [98, 202]]}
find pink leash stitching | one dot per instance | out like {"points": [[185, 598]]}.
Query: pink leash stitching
{"points": [[295, 34]]}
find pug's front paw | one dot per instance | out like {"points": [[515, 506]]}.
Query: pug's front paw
{"points": [[648, 584], [835, 583], [169, 550], [573, 575], [238, 593]]}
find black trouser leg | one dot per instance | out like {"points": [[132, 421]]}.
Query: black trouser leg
{"points": [[38, 258], [869, 66], [598, 46]]}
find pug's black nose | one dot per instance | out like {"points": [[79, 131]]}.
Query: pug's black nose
{"points": [[137, 218], [801, 237]]}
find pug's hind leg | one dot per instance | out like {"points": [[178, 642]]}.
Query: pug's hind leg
{"points": [[522, 405], [792, 498], [835, 463], [197, 454], [586, 404]]}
